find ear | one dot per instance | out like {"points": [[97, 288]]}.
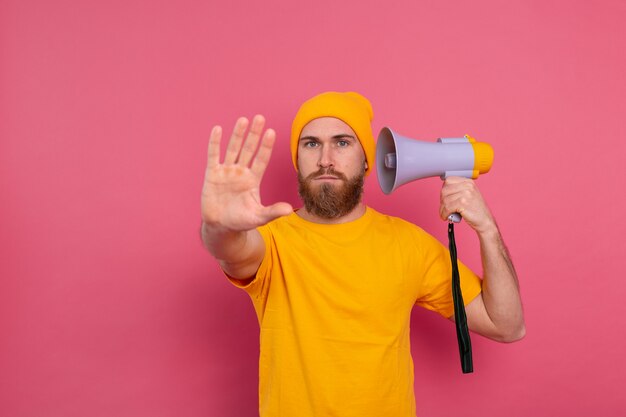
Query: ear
{"points": [[366, 166]]}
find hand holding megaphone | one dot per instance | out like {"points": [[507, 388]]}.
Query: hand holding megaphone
{"points": [[461, 196], [400, 160]]}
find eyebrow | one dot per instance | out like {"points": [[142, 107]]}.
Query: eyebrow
{"points": [[339, 136]]}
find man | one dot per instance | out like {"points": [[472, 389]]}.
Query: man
{"points": [[333, 283]]}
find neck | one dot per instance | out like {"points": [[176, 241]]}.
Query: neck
{"points": [[356, 213]]}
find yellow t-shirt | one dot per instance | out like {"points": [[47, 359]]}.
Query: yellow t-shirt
{"points": [[334, 305]]}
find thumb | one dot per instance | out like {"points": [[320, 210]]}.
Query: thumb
{"points": [[277, 210]]}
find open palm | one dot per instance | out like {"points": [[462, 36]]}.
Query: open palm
{"points": [[230, 194]]}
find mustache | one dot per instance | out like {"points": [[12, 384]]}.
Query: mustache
{"points": [[327, 171]]}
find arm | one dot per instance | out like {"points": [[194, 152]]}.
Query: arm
{"points": [[231, 205], [497, 312]]}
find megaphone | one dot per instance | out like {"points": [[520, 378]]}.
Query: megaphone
{"points": [[400, 159]]}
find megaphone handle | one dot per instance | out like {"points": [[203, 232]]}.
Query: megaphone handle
{"points": [[455, 218]]}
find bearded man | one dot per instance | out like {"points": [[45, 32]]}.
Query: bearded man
{"points": [[334, 282]]}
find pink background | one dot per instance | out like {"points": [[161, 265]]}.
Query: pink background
{"points": [[109, 306]]}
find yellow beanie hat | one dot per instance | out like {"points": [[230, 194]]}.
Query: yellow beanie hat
{"points": [[351, 108]]}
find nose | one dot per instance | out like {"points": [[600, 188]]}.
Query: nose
{"points": [[325, 158]]}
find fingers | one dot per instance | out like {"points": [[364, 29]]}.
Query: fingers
{"points": [[242, 151], [234, 146], [213, 152], [461, 195], [252, 141], [265, 152], [452, 185], [459, 188], [449, 207], [277, 210], [458, 194]]}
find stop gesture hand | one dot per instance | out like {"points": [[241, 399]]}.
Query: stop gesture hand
{"points": [[231, 192]]}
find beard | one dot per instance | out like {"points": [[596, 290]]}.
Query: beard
{"points": [[330, 201]]}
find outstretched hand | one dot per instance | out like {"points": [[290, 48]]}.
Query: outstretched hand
{"points": [[231, 191]]}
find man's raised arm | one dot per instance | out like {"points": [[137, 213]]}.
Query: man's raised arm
{"points": [[231, 204], [497, 312]]}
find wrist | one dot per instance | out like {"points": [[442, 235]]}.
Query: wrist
{"points": [[212, 232], [489, 230]]}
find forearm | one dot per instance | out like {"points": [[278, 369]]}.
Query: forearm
{"points": [[501, 293], [238, 252], [222, 243]]}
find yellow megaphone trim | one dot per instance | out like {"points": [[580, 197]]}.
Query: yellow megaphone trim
{"points": [[483, 157]]}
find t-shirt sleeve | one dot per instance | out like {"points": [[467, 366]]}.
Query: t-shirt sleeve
{"points": [[436, 283]]}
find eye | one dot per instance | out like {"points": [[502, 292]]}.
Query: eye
{"points": [[343, 143], [310, 144]]}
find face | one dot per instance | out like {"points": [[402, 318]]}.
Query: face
{"points": [[331, 168]]}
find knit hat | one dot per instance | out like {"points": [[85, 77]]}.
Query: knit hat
{"points": [[351, 108]]}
